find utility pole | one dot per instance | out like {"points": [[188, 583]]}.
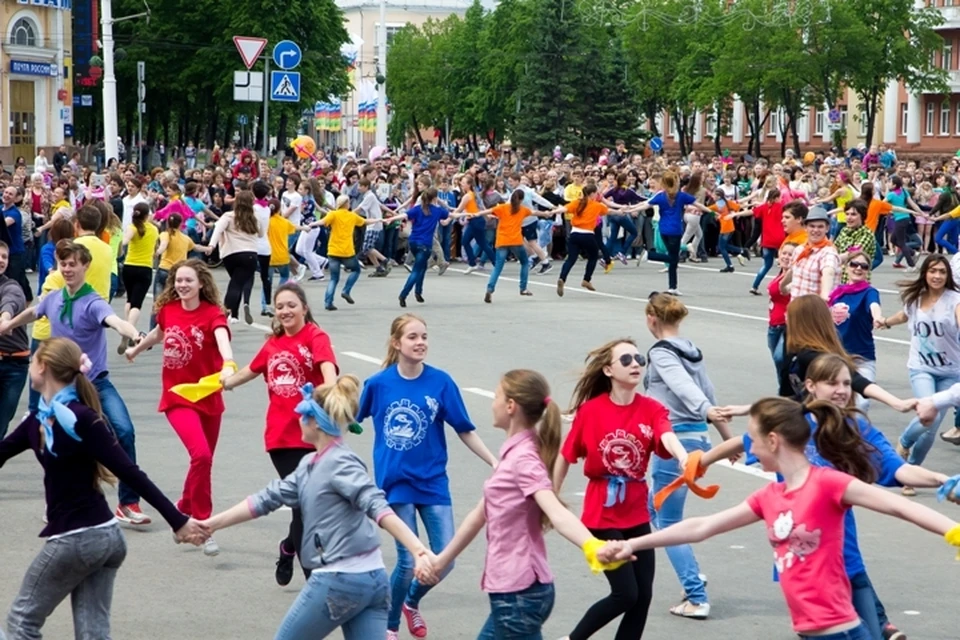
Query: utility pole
{"points": [[266, 108], [381, 136], [110, 135]]}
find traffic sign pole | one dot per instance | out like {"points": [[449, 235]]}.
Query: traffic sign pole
{"points": [[266, 112], [141, 96]]}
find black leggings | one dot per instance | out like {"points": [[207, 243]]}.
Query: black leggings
{"points": [[672, 258], [631, 590], [137, 281], [285, 461], [577, 242], [241, 267], [266, 282]]}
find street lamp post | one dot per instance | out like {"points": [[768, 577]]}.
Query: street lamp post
{"points": [[110, 128]]}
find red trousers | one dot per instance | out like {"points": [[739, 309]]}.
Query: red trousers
{"points": [[199, 433]]}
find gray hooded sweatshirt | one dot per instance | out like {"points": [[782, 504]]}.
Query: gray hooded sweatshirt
{"points": [[677, 378]]}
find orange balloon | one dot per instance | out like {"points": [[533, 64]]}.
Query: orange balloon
{"points": [[304, 146]]}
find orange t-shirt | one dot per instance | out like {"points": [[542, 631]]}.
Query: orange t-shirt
{"points": [[470, 203], [798, 238], [875, 209], [508, 227], [724, 214], [587, 221]]}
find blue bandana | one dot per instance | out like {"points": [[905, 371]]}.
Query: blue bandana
{"points": [[310, 408], [61, 413]]}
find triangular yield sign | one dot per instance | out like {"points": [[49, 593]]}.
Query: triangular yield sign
{"points": [[249, 48]]}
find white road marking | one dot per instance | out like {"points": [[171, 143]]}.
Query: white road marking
{"points": [[737, 546], [479, 392], [362, 356], [911, 612], [766, 277], [617, 296]]}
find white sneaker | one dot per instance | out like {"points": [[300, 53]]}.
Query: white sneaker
{"points": [[234, 320], [675, 292], [301, 272], [470, 270], [211, 548], [393, 635]]}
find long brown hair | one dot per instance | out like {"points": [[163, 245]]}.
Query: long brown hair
{"points": [[530, 390], [244, 218], [671, 184], [397, 327], [141, 211], [516, 200], [594, 382], [588, 190], [428, 196], [911, 291], [810, 326], [61, 358], [208, 287], [835, 441], [297, 290]]}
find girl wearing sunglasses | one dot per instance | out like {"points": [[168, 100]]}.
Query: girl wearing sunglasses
{"points": [[677, 378], [855, 306], [615, 430]]}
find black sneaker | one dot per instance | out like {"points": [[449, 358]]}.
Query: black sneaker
{"points": [[346, 296], [418, 297], [890, 632], [545, 267], [726, 270], [284, 572], [330, 307]]}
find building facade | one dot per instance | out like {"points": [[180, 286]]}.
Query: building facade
{"points": [[36, 95]]}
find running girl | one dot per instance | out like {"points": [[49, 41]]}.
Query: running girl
{"points": [[196, 343], [340, 504], [140, 240], [409, 402], [424, 219], [78, 452], [298, 352]]}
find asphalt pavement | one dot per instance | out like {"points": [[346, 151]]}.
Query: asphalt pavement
{"points": [[164, 590]]}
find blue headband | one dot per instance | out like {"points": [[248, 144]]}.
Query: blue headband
{"points": [[64, 416], [310, 408]]}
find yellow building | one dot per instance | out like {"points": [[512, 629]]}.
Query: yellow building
{"points": [[35, 90]]}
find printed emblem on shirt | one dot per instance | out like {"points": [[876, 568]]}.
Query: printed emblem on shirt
{"points": [[791, 543], [405, 423], [284, 374], [623, 454], [306, 355], [177, 348], [927, 333]]}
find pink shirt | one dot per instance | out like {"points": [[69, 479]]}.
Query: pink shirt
{"points": [[177, 205], [516, 553], [805, 529]]}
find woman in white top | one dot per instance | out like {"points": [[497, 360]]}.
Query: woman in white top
{"points": [[931, 304], [238, 233], [40, 163]]}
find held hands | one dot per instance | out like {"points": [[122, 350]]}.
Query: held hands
{"points": [[926, 411], [606, 556], [194, 532], [905, 406], [719, 415], [427, 568], [616, 550]]}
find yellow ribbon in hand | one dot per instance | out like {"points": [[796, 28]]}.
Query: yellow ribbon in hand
{"points": [[590, 548], [953, 537]]}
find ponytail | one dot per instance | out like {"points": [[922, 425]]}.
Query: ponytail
{"points": [[839, 441], [588, 191], [173, 224], [141, 211], [516, 199]]}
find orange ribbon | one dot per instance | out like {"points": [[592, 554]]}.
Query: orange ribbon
{"points": [[691, 472]]}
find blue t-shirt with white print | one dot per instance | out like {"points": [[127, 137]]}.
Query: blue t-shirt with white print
{"points": [[409, 443], [884, 459]]}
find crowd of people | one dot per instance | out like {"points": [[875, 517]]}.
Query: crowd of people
{"points": [[824, 222]]}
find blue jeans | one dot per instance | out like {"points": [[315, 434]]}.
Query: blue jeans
{"points": [[544, 233], [617, 222], [284, 271], [946, 235], [355, 602], [404, 588], [671, 512], [858, 633], [478, 233], [159, 282], [776, 337], [445, 237], [13, 375], [33, 396], [421, 255], [866, 603], [919, 438], [119, 418], [768, 257], [520, 615], [502, 252], [389, 241], [726, 248], [351, 265]]}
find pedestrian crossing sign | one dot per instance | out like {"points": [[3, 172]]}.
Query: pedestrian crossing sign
{"points": [[285, 86]]}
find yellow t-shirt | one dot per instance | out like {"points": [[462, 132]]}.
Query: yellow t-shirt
{"points": [[342, 223], [141, 248], [53, 281], [278, 233], [178, 246], [572, 192], [101, 267]]}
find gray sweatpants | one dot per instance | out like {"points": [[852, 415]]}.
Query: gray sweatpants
{"points": [[83, 566]]}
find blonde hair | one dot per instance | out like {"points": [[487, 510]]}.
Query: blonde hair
{"points": [[397, 328], [343, 201], [340, 399], [666, 308]]}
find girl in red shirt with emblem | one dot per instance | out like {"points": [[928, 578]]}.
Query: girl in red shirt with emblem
{"points": [[196, 343], [614, 432], [297, 352]]}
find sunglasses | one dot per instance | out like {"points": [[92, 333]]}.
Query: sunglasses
{"points": [[858, 265], [627, 358]]}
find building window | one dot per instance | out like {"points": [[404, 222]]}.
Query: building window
{"points": [[711, 124], [929, 124], [958, 119], [774, 123], [903, 119], [843, 118], [818, 122], [945, 119], [947, 59], [24, 33]]}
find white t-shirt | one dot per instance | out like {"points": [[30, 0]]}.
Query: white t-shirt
{"points": [[263, 219], [935, 336], [129, 202], [292, 199], [369, 208]]}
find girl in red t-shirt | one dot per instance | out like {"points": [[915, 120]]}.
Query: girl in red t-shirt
{"points": [[297, 352], [804, 515], [615, 431], [196, 343]]}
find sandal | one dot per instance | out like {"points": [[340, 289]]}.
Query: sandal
{"points": [[908, 491], [954, 440], [687, 609]]}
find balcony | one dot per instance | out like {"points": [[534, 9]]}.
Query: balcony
{"points": [[951, 18]]}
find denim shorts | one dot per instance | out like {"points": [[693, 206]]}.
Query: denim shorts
{"points": [[519, 615]]}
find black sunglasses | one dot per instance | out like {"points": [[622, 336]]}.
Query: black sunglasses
{"points": [[627, 358], [858, 265]]}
